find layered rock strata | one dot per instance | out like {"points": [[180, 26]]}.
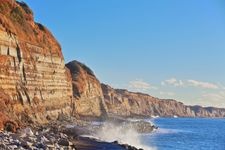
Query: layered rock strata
{"points": [[34, 84], [129, 104], [87, 91]]}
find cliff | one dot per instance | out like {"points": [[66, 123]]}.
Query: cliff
{"points": [[34, 84], [87, 92], [130, 104]]}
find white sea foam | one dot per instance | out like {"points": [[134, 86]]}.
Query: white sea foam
{"points": [[169, 131], [97, 123], [91, 137], [150, 120], [111, 132], [133, 119]]}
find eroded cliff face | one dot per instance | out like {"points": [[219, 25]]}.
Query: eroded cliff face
{"points": [[125, 103], [130, 104], [87, 92], [34, 84], [211, 112]]}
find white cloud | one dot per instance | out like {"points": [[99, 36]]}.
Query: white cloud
{"points": [[173, 82], [213, 99], [189, 83], [205, 85], [213, 93], [221, 86], [140, 85], [166, 93], [214, 96]]}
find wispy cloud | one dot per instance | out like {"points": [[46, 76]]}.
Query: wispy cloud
{"points": [[189, 83], [213, 99], [214, 96], [173, 82], [166, 93], [223, 88], [205, 85], [213, 93], [140, 85]]}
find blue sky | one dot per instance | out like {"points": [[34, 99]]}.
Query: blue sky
{"points": [[169, 49]]}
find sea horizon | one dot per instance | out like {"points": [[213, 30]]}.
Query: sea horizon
{"points": [[112, 75]]}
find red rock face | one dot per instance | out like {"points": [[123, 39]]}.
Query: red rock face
{"points": [[35, 85], [87, 92], [129, 104], [32, 69]]}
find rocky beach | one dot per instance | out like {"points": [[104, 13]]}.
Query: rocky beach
{"points": [[46, 103], [65, 134]]}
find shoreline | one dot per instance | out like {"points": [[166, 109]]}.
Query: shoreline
{"points": [[59, 134], [66, 134]]}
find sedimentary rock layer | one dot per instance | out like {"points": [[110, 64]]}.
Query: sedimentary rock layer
{"points": [[35, 85], [33, 80], [87, 91], [129, 104]]}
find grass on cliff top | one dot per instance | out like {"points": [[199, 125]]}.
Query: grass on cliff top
{"points": [[4, 7], [17, 15], [25, 8]]}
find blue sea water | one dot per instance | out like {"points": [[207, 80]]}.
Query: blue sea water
{"points": [[187, 134]]}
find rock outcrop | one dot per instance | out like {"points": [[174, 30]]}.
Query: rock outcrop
{"points": [[34, 84], [87, 92], [211, 112], [130, 104]]}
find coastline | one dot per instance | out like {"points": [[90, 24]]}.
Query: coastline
{"points": [[66, 134], [46, 103], [69, 133]]}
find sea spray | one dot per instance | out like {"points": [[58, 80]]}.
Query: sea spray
{"points": [[111, 132]]}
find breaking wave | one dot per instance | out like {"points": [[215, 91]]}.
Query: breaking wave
{"points": [[169, 131], [111, 132]]}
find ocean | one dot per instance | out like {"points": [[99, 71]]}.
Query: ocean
{"points": [[187, 134]]}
